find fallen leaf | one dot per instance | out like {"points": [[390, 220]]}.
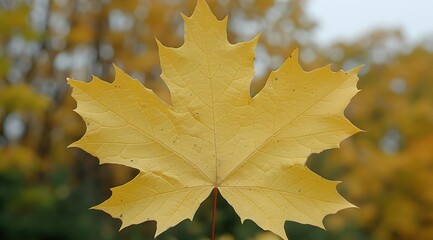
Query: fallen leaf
{"points": [[215, 135]]}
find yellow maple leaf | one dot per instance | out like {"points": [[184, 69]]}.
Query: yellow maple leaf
{"points": [[215, 135]]}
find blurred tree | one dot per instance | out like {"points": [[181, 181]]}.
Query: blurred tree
{"points": [[388, 168]]}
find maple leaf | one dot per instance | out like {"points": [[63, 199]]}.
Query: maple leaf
{"points": [[214, 134]]}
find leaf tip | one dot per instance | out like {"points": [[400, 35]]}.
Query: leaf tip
{"points": [[201, 4], [120, 75], [117, 70], [295, 53], [72, 145], [75, 144], [161, 47], [356, 69], [158, 43], [114, 66], [96, 207], [159, 230], [256, 38], [203, 9], [226, 19], [124, 225], [72, 82], [184, 17]]}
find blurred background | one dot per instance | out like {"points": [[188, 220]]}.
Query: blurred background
{"points": [[46, 189]]}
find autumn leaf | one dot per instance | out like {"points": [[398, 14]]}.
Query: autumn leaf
{"points": [[214, 134]]}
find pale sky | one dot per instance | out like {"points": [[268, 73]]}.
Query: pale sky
{"points": [[349, 19]]}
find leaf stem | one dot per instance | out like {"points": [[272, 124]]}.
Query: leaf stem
{"points": [[215, 195]]}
